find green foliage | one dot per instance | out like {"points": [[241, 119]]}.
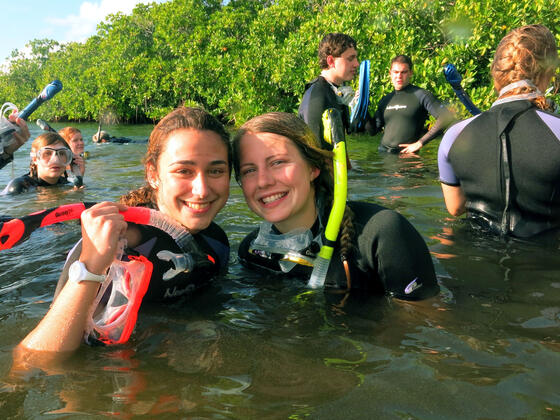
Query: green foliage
{"points": [[252, 56]]}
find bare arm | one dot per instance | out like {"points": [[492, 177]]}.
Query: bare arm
{"points": [[454, 199], [62, 328]]}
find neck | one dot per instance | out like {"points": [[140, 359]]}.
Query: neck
{"points": [[327, 74], [303, 221]]}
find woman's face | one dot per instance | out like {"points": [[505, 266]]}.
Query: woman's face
{"points": [[51, 164], [192, 177], [76, 143], [277, 181]]}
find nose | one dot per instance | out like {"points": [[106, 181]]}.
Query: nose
{"points": [[265, 178], [200, 186]]}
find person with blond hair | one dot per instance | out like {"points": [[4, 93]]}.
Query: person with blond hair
{"points": [[502, 167]]}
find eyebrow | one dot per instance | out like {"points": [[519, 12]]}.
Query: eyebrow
{"points": [[192, 162]]}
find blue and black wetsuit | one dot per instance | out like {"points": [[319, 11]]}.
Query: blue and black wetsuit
{"points": [[26, 182], [389, 257], [318, 97], [402, 115], [507, 162]]}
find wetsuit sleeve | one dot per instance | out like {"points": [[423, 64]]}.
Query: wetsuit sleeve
{"points": [[5, 158], [375, 125], [311, 109], [394, 249], [446, 173]]}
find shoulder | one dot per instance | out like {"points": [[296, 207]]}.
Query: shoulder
{"points": [[551, 120], [19, 185]]}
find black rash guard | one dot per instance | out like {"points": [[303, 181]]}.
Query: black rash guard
{"points": [[390, 257], [402, 114], [318, 97], [471, 154], [25, 182]]}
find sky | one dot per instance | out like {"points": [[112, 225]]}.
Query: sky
{"points": [[61, 20]]}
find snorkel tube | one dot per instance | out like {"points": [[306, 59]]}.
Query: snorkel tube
{"points": [[334, 134], [47, 93], [359, 108], [454, 79]]}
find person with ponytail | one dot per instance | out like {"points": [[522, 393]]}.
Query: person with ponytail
{"points": [[187, 179], [287, 179], [49, 156], [502, 167]]}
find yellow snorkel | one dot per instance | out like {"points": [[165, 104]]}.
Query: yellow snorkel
{"points": [[334, 134]]}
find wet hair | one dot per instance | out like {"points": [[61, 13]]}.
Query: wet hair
{"points": [[528, 52], [178, 119], [45, 139], [295, 129], [333, 44], [403, 59]]}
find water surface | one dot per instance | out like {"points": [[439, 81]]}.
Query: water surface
{"points": [[251, 347]]}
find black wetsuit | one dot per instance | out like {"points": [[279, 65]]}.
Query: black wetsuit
{"points": [[318, 97], [211, 240], [25, 182], [402, 115], [507, 162], [5, 158], [121, 140], [390, 256]]}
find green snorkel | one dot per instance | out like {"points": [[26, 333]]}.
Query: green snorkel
{"points": [[334, 134]]}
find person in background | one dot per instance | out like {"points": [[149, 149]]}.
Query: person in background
{"points": [[502, 167], [402, 114], [338, 60], [74, 138], [50, 154]]}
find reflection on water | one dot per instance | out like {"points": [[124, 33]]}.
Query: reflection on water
{"points": [[254, 347]]}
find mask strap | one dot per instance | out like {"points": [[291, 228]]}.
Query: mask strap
{"points": [[520, 83]]}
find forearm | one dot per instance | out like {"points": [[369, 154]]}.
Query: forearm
{"points": [[62, 328], [454, 198], [435, 130]]}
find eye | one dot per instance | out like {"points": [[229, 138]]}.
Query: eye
{"points": [[217, 172], [247, 171]]}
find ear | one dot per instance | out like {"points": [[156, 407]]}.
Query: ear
{"points": [[330, 61], [314, 173], [151, 176]]}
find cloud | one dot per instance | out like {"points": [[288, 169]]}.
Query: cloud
{"points": [[84, 25]]}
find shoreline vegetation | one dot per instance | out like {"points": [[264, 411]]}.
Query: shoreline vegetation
{"points": [[248, 57]]}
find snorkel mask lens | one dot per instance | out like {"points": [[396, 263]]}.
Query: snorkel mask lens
{"points": [[113, 322], [45, 154]]}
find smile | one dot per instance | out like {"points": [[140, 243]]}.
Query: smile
{"points": [[197, 206], [273, 197]]}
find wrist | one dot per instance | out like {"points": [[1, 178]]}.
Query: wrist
{"points": [[79, 272]]}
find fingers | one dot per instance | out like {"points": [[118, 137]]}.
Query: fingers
{"points": [[102, 227], [20, 136]]}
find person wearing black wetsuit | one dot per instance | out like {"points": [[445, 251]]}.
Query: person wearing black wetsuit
{"points": [[338, 60], [50, 155], [502, 167], [402, 114], [187, 171], [285, 179]]}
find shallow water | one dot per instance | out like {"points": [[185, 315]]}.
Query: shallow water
{"points": [[253, 348]]}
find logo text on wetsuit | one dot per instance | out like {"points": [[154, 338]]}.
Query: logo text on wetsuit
{"points": [[397, 107]]}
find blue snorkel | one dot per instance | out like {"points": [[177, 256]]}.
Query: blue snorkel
{"points": [[334, 134], [454, 79], [358, 110]]}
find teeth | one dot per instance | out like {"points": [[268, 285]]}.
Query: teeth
{"points": [[197, 206], [273, 197]]}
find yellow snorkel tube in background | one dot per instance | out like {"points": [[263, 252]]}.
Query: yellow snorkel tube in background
{"points": [[333, 130]]}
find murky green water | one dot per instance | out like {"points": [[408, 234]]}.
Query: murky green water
{"points": [[251, 348]]}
